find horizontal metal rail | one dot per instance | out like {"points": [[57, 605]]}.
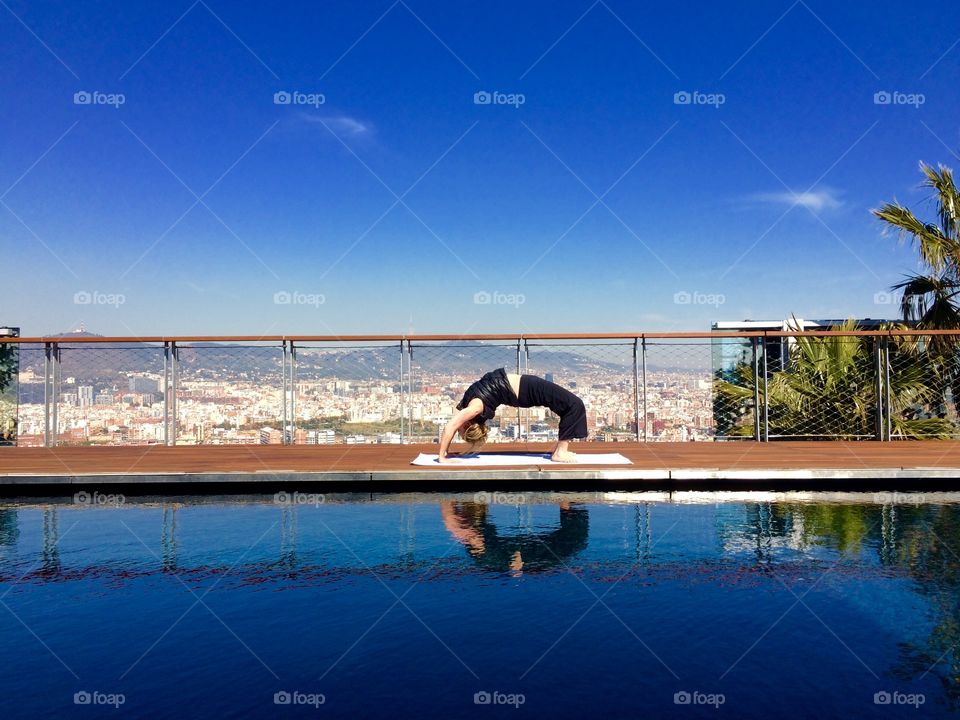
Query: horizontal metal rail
{"points": [[513, 337]]}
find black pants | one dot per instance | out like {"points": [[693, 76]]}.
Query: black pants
{"points": [[537, 392]]}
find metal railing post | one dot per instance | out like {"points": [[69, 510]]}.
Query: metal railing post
{"points": [[766, 395], [46, 394], [166, 392], [519, 411], [283, 390], [636, 390], [409, 408], [402, 405], [643, 371], [878, 390], [293, 393], [756, 389], [886, 362], [55, 393], [174, 381]]}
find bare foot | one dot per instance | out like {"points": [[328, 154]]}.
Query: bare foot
{"points": [[565, 456]]}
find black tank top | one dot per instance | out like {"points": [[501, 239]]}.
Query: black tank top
{"points": [[493, 389]]}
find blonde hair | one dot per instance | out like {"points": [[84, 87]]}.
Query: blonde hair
{"points": [[475, 433]]}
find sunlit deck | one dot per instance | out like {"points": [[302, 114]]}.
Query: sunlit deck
{"points": [[838, 464]]}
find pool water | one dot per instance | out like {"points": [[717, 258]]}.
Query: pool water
{"points": [[481, 605]]}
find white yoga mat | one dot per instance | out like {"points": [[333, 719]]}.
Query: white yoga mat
{"points": [[505, 458]]}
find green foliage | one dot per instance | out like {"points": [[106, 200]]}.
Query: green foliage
{"points": [[828, 389], [930, 297]]}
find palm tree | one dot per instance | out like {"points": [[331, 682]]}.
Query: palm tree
{"points": [[930, 298], [828, 390]]}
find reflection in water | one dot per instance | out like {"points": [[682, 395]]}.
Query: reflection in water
{"points": [[407, 536], [168, 539], [641, 514], [9, 528], [469, 524], [50, 555], [920, 542], [892, 550], [288, 536]]}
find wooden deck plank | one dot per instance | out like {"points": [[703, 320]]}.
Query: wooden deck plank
{"points": [[157, 459]]}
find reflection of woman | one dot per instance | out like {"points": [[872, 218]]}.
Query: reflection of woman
{"points": [[468, 523], [498, 387]]}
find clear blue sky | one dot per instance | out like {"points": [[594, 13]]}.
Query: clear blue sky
{"points": [[761, 202]]}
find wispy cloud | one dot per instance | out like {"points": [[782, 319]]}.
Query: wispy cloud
{"points": [[341, 124], [816, 200]]}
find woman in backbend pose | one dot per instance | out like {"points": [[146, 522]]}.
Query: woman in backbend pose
{"points": [[499, 387]]}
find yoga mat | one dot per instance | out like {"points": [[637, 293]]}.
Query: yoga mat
{"points": [[506, 458]]}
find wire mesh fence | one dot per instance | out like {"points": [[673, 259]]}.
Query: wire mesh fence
{"points": [[677, 387], [438, 374], [230, 394], [347, 393], [920, 387], [108, 394], [603, 375], [767, 386]]}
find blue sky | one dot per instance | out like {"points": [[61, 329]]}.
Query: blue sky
{"points": [[199, 205]]}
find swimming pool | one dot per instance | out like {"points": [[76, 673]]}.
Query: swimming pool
{"points": [[481, 605]]}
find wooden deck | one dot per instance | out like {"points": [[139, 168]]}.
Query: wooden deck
{"points": [[906, 465]]}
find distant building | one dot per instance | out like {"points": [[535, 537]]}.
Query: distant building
{"points": [[270, 436], [85, 395], [727, 352], [139, 384]]}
